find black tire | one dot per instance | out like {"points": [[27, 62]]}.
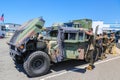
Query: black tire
{"points": [[37, 64]]}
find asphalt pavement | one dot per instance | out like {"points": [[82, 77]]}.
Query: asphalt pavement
{"points": [[107, 69]]}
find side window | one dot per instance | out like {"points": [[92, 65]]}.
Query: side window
{"points": [[72, 36], [81, 36], [54, 33], [43, 33], [78, 25], [66, 36]]}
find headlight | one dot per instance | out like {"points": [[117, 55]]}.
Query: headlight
{"points": [[21, 47]]}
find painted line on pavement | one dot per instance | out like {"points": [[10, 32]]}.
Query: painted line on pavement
{"points": [[107, 60], [96, 63], [54, 75]]}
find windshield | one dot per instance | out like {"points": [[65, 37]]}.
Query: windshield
{"points": [[44, 33]]}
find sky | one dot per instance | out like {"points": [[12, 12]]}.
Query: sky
{"points": [[20, 11]]}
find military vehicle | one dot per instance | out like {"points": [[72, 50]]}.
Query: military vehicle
{"points": [[36, 47], [117, 38], [2, 31]]}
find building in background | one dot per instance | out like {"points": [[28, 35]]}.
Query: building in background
{"points": [[103, 27], [11, 26], [96, 23], [8, 29], [112, 28]]}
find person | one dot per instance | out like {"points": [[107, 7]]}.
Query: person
{"points": [[112, 43], [104, 45], [100, 46], [97, 47], [90, 49]]}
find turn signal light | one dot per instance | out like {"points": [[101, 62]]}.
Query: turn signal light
{"points": [[21, 47]]}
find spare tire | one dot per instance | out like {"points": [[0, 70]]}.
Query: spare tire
{"points": [[37, 64]]}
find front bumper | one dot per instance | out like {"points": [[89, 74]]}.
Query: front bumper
{"points": [[14, 52]]}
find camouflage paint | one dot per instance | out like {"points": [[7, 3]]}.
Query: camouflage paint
{"points": [[74, 49], [85, 23], [30, 28]]}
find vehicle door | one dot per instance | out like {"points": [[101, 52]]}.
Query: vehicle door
{"points": [[71, 45]]}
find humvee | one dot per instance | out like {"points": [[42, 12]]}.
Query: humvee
{"points": [[57, 44]]}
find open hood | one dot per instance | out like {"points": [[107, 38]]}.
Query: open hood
{"points": [[27, 30]]}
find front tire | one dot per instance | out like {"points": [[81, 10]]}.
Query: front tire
{"points": [[18, 60], [37, 64]]}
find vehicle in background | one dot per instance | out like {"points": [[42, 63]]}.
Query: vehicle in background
{"points": [[117, 38], [2, 31]]}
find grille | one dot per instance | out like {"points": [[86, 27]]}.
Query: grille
{"points": [[12, 47]]}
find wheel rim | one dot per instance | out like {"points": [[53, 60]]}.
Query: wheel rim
{"points": [[37, 64]]}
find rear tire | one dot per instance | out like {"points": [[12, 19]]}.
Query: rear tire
{"points": [[37, 64]]}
